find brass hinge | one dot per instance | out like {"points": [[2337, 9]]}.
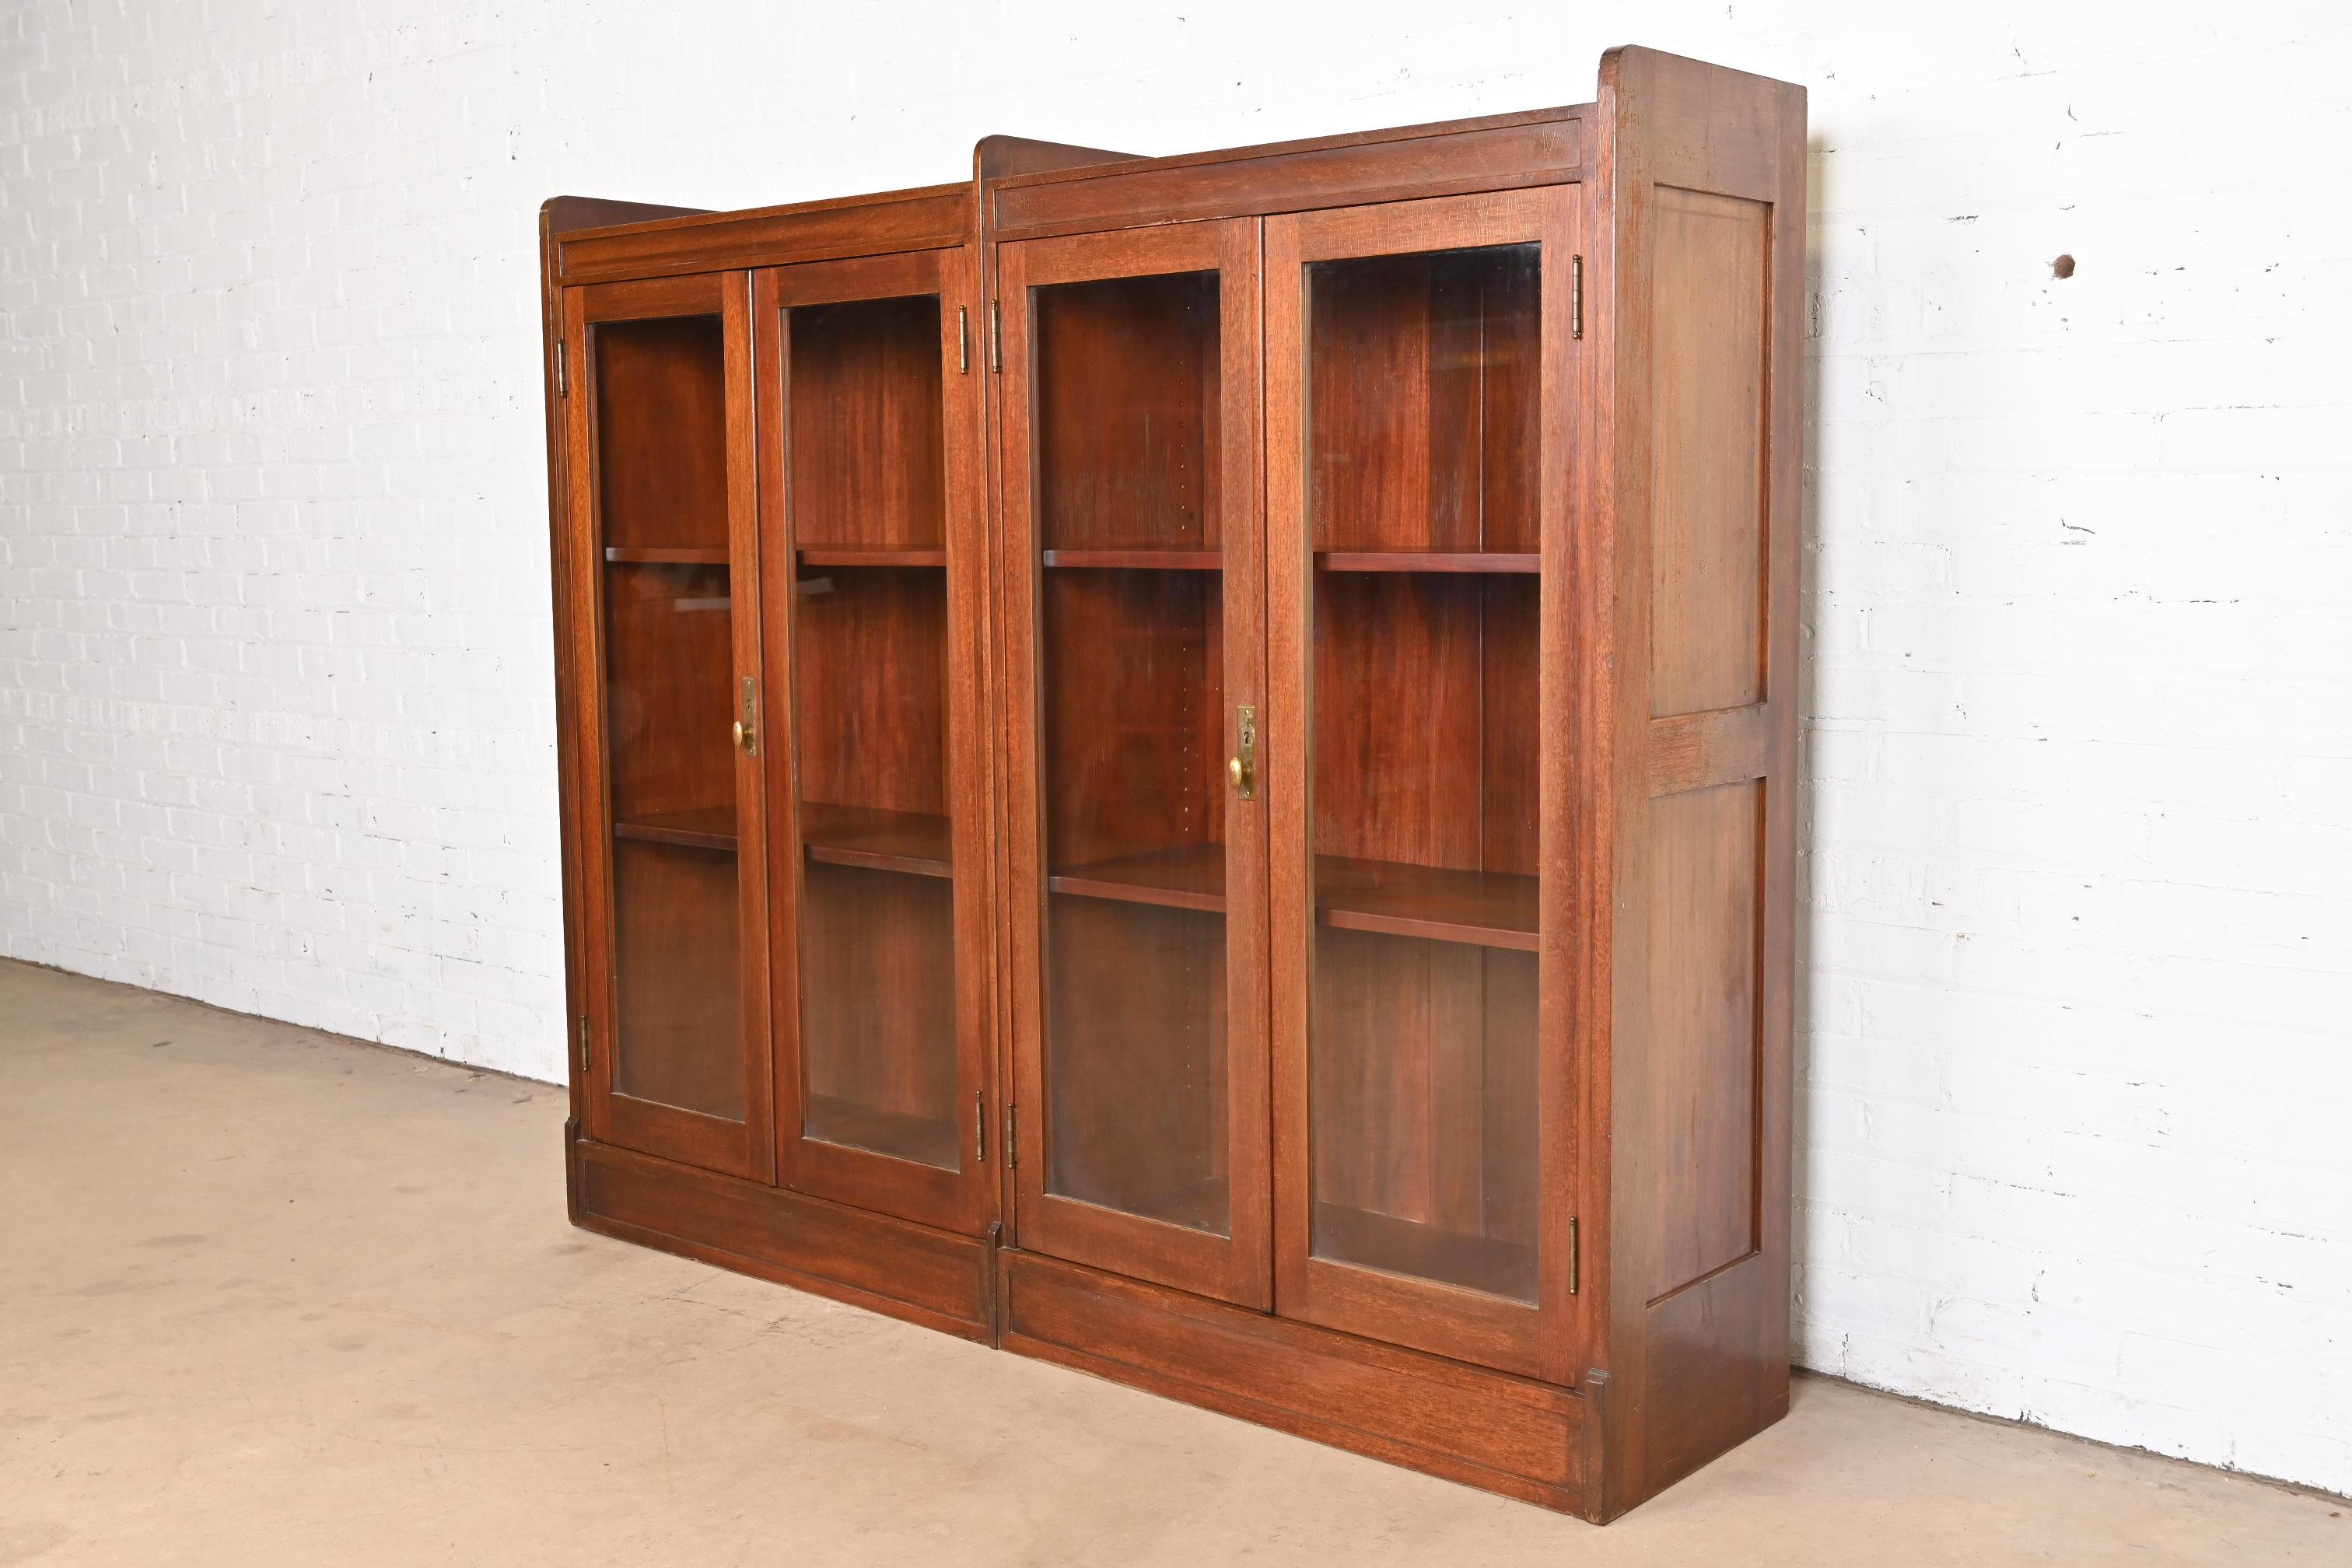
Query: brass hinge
{"points": [[1576, 296], [562, 389], [995, 338], [584, 1045], [980, 1129], [1575, 1257], [1011, 1133], [963, 342]]}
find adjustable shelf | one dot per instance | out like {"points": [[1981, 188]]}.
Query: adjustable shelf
{"points": [[1483, 909], [861, 555], [911, 842], [1132, 560], [663, 555], [1191, 877], [698, 827], [1488, 561]]}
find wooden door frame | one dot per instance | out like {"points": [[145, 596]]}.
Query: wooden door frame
{"points": [[1237, 1267], [963, 1199], [745, 1148], [1546, 1339]]}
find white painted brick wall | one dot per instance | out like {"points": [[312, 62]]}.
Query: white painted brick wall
{"points": [[2075, 1129]]}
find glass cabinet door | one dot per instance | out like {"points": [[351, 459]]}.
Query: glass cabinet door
{"points": [[1134, 578], [876, 560], [666, 635], [1417, 479]]}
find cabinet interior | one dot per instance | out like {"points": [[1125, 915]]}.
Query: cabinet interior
{"points": [[1421, 441], [866, 485], [1131, 674], [660, 486]]}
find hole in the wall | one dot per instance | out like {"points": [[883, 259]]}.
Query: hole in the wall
{"points": [[2062, 268]]}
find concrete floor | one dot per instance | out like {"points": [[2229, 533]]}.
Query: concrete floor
{"points": [[270, 1297]]}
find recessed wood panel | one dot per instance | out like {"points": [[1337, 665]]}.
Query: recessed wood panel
{"points": [[1702, 1056], [1710, 345]]}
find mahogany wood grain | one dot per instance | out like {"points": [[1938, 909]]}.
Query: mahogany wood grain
{"points": [[868, 460], [1422, 376], [1538, 148], [829, 555], [666, 555], [935, 1278], [1428, 561], [1155, 560], [931, 217], [1693, 307], [918, 843], [1501, 1433], [1002, 157]]}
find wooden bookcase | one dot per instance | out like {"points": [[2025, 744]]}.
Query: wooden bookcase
{"points": [[1187, 766]]}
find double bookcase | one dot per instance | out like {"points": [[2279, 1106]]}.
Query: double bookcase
{"points": [[1186, 765]]}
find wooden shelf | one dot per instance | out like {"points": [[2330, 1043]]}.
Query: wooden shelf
{"points": [[1426, 561], [701, 828], [1361, 1238], [633, 555], [1190, 878], [1486, 909], [858, 555], [1143, 560], [911, 842]]}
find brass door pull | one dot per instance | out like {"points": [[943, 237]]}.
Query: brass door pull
{"points": [[747, 738], [1242, 769]]}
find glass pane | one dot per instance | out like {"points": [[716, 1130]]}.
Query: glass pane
{"points": [[1422, 1069], [869, 672], [661, 502], [1132, 692]]}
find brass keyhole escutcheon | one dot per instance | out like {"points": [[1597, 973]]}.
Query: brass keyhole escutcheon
{"points": [[747, 736], [1242, 768]]}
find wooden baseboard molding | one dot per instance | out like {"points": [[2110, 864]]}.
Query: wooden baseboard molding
{"points": [[933, 1278], [1487, 1429]]}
